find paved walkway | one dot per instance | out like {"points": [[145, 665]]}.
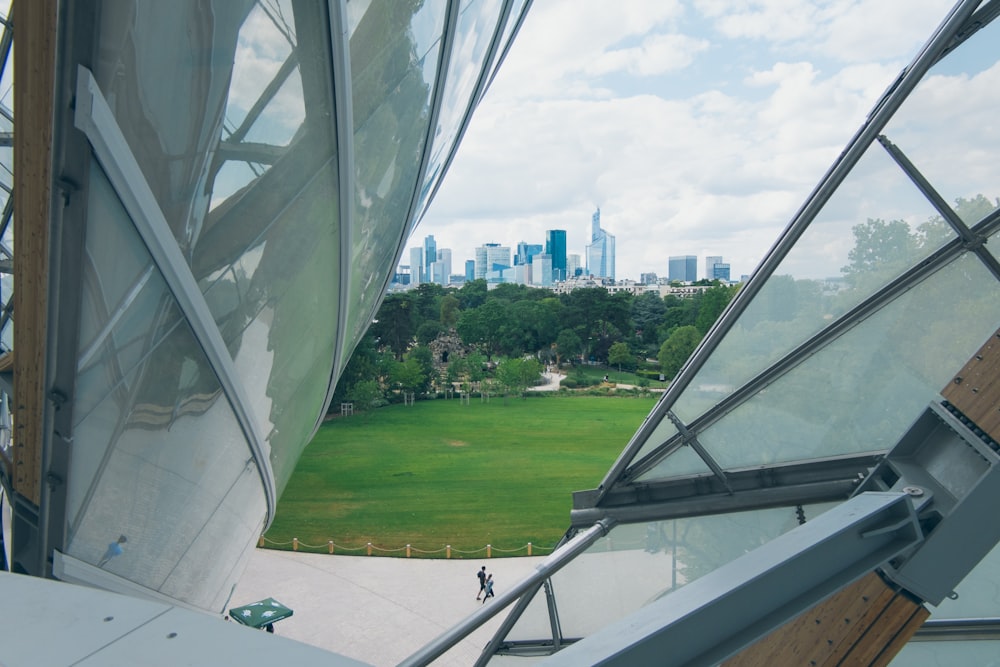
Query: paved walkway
{"points": [[375, 609]]}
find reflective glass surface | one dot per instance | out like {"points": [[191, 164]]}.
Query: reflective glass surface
{"points": [[636, 564], [477, 21], [947, 127], [861, 392], [949, 654], [158, 456], [866, 235], [393, 84]]}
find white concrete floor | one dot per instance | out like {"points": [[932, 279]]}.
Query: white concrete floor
{"points": [[375, 609]]}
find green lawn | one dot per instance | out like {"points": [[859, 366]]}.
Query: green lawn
{"points": [[439, 472]]}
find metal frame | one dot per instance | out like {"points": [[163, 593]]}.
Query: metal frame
{"points": [[892, 99]]}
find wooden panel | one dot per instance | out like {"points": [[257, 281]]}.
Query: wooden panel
{"points": [[975, 390], [862, 624], [34, 72]]}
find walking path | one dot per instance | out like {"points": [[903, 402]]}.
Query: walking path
{"points": [[375, 609]]}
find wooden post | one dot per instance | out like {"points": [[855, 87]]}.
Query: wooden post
{"points": [[529, 548], [407, 550], [260, 542], [447, 551], [329, 546], [369, 548], [295, 544], [489, 551]]}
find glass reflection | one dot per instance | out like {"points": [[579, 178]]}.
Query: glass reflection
{"points": [[861, 392], [477, 23], [947, 126], [393, 86], [636, 564], [949, 653], [873, 228]]}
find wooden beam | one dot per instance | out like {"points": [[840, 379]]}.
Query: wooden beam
{"points": [[34, 72], [864, 624], [975, 390]]}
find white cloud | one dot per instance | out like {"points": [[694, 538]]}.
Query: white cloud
{"points": [[678, 163]]}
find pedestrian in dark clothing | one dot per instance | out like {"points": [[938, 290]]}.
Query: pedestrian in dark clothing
{"points": [[489, 588], [482, 581]]}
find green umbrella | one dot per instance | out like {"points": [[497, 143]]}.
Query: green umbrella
{"points": [[260, 614]]}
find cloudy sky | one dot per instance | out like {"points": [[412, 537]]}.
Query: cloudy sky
{"points": [[697, 127]]}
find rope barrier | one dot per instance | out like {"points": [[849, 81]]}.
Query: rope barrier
{"points": [[368, 548]]}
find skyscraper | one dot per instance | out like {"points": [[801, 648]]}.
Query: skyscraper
{"points": [[601, 250], [491, 257], [470, 269], [416, 265], [710, 263], [525, 251], [683, 268], [555, 248], [430, 255]]}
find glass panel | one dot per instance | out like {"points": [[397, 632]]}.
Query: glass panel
{"points": [[981, 653], [126, 307], [272, 300], [175, 68], [393, 83], [862, 391], [978, 594], [508, 31], [684, 461], [174, 477], [153, 432], [947, 126], [477, 22], [663, 432], [865, 236], [635, 565]]}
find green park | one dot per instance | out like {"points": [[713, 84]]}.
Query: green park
{"points": [[444, 472]]}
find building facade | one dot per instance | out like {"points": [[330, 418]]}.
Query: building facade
{"points": [[683, 268], [600, 250]]}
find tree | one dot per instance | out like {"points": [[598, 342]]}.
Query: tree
{"points": [[366, 395], [676, 349], [880, 249], [568, 344], [713, 301], [620, 354], [648, 310], [449, 311], [516, 375], [395, 324]]}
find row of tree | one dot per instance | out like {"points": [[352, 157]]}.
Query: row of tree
{"points": [[513, 329]]}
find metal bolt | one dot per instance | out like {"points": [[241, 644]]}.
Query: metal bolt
{"points": [[914, 491]]}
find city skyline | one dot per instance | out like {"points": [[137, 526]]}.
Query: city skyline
{"points": [[670, 118]]}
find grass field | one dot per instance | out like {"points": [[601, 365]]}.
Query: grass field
{"points": [[614, 375], [439, 472]]}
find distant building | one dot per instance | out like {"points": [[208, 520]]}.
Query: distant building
{"points": [[573, 266], [430, 255], [525, 251], [491, 257], [683, 268], [555, 248], [470, 270], [416, 265], [648, 278], [720, 272], [600, 250], [441, 268], [716, 269], [542, 270]]}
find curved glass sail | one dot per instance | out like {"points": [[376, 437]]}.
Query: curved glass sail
{"points": [[245, 174]]}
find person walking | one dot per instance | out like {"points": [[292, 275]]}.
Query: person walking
{"points": [[482, 581], [489, 588]]}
